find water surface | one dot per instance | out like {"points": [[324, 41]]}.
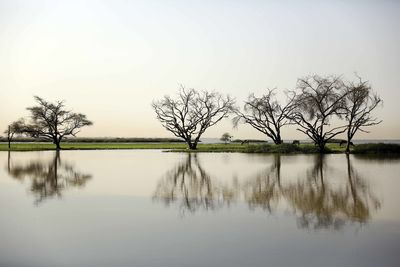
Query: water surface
{"points": [[149, 208]]}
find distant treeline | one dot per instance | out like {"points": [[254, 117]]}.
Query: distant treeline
{"points": [[249, 141], [331, 141], [99, 140]]}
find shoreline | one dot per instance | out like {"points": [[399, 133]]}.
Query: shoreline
{"points": [[332, 148]]}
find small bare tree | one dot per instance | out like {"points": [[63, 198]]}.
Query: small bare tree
{"points": [[13, 129], [360, 101], [51, 121], [266, 114], [192, 113], [226, 138], [318, 100]]}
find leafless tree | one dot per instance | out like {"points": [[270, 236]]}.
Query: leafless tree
{"points": [[360, 101], [266, 114], [51, 121], [318, 100], [13, 129], [192, 113], [226, 138]]}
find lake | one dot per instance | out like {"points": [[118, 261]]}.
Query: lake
{"points": [[152, 208]]}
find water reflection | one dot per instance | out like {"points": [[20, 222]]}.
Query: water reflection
{"points": [[265, 189], [362, 200], [319, 203], [193, 187], [316, 198], [48, 179], [389, 158]]}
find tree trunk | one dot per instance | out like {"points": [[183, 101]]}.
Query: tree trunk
{"points": [[193, 146], [278, 141], [57, 143], [9, 137], [321, 145], [348, 147], [349, 137]]}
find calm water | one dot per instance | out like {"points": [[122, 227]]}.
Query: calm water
{"points": [[149, 208]]}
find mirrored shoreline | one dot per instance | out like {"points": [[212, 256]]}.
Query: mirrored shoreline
{"points": [[93, 208], [313, 197]]}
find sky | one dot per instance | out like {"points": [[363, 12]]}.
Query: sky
{"points": [[111, 59]]}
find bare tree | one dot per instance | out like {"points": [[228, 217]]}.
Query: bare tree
{"points": [[192, 113], [51, 121], [266, 114], [318, 101], [13, 129], [360, 102], [226, 138]]}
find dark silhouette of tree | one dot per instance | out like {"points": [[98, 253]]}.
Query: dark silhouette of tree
{"points": [[192, 113], [360, 101], [48, 179], [318, 100], [226, 138], [14, 128], [190, 184], [266, 114], [53, 122]]}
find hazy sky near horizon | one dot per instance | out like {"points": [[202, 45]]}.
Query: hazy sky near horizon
{"points": [[110, 59]]}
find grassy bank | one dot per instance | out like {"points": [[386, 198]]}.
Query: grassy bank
{"points": [[267, 148], [90, 146], [377, 149], [233, 147], [98, 140], [179, 147]]}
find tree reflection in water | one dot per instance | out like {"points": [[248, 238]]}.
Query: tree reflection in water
{"points": [[193, 187], [319, 202], [264, 190], [48, 178]]}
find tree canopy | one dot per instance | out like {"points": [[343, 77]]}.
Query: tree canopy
{"points": [[359, 103], [192, 113], [318, 100], [266, 114], [53, 122]]}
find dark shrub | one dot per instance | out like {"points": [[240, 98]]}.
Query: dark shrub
{"points": [[377, 149]]}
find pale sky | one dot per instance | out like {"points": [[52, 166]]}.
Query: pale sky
{"points": [[110, 59]]}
